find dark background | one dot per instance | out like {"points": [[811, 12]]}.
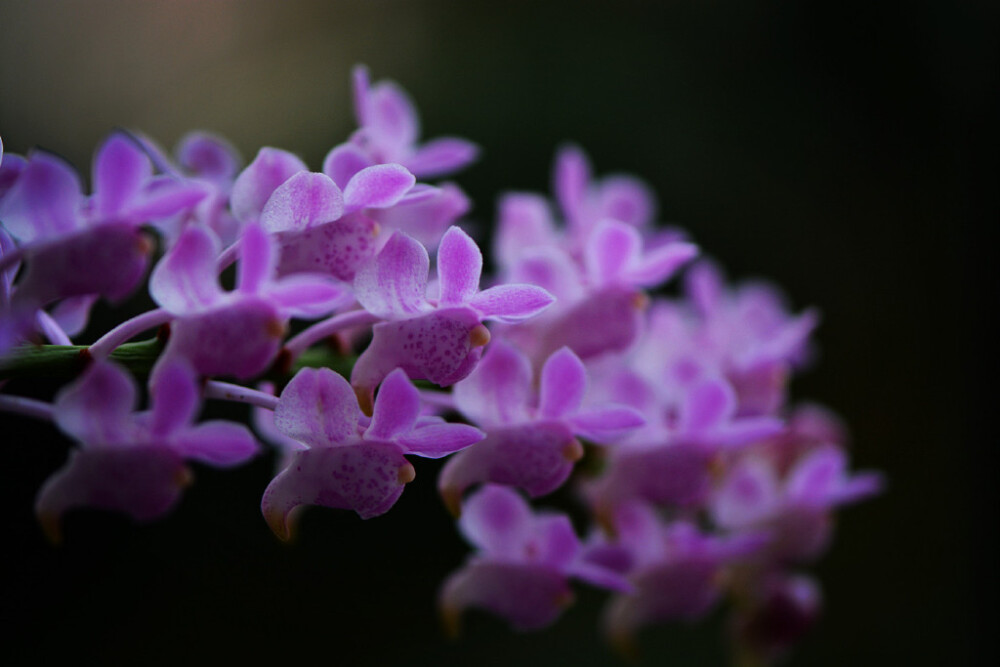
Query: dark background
{"points": [[844, 150]]}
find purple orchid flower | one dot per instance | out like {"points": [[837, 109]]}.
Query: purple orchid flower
{"points": [[671, 461], [233, 333], [797, 509], [211, 162], [128, 461], [585, 202], [351, 461], [674, 569], [77, 247], [525, 560], [439, 340], [751, 333], [530, 444], [389, 128], [321, 228]]}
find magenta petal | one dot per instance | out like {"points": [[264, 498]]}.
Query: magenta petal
{"points": [[562, 386], [606, 321], [527, 596], [308, 295], [497, 392], [661, 263], [511, 303], [343, 161], [239, 339], [537, 457], [397, 407], [379, 186], [707, 406], [144, 483], [208, 156], [626, 199], [391, 118], [394, 283], [602, 577], [175, 398], [607, 423], [218, 443], [459, 265], [97, 408], [305, 200], [366, 477], [184, 281], [498, 521], [257, 259], [439, 346], [337, 248], [420, 193], [747, 430], [556, 542], [73, 314], [318, 407], [442, 156], [525, 221], [165, 196], [361, 89], [612, 247], [120, 170], [255, 184], [434, 441], [748, 496], [44, 201], [572, 175]]}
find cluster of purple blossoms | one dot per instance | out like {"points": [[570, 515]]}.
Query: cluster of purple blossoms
{"points": [[702, 482]]}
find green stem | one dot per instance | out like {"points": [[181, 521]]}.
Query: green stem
{"points": [[68, 361]]}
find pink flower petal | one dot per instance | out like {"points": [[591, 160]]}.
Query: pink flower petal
{"points": [[185, 281], [175, 399], [144, 483], [459, 265], [343, 162], [442, 156], [97, 408], [120, 171], [305, 200], [529, 597], [562, 386], [44, 202], [257, 260], [394, 283], [612, 247], [318, 407], [497, 521], [367, 478], [498, 391], [434, 441], [218, 443], [511, 303], [397, 407], [337, 248], [255, 184], [378, 186]]}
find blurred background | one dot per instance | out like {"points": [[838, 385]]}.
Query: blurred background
{"points": [[843, 150]]}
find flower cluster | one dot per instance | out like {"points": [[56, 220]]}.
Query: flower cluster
{"points": [[701, 481]]}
